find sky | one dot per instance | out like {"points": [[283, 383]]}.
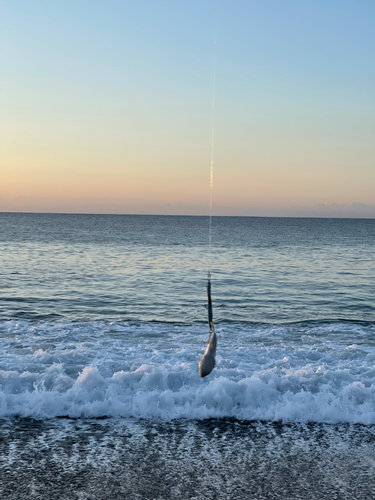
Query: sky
{"points": [[106, 107]]}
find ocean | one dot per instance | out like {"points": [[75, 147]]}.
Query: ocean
{"points": [[103, 323]]}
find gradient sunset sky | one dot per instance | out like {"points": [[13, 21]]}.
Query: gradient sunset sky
{"points": [[106, 107]]}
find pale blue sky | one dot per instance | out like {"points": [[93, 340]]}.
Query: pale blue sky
{"points": [[106, 106]]}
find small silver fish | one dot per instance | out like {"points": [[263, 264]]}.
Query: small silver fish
{"points": [[207, 362]]}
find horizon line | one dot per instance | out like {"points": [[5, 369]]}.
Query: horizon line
{"points": [[192, 215]]}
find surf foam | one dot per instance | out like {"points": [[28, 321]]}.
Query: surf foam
{"points": [[290, 373]]}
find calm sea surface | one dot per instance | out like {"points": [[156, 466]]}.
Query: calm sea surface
{"points": [[103, 317], [153, 268]]}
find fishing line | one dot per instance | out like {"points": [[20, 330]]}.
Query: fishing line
{"points": [[212, 138], [207, 362]]}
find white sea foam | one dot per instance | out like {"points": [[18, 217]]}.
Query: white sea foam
{"points": [[322, 373]]}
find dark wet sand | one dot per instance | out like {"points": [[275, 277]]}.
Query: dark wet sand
{"points": [[214, 459]]}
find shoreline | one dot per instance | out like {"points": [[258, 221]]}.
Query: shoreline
{"points": [[215, 458]]}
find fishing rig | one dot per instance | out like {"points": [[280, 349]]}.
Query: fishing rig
{"points": [[207, 362], [209, 306]]}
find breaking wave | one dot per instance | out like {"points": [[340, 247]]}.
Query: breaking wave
{"points": [[322, 372]]}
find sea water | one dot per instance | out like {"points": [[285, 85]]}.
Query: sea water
{"points": [[103, 317]]}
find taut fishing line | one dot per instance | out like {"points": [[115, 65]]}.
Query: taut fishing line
{"points": [[212, 138], [207, 362]]}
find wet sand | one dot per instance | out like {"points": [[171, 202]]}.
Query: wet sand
{"points": [[211, 459]]}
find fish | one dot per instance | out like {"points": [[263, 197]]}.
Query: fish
{"points": [[208, 362]]}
